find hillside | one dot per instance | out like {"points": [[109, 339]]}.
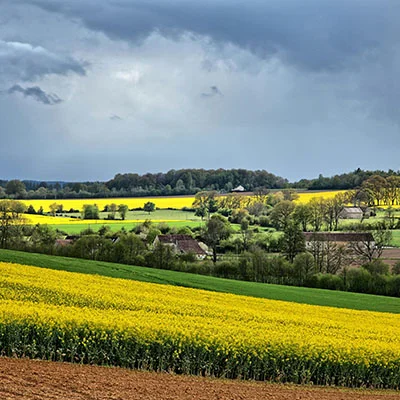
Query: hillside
{"points": [[348, 300]]}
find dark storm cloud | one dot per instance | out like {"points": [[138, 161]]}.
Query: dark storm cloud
{"points": [[23, 61], [313, 34], [214, 91], [36, 93]]}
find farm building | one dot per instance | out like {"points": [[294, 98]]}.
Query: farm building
{"points": [[183, 244], [351, 213], [340, 238]]}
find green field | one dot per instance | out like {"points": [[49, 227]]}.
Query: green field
{"points": [[117, 226], [275, 292]]}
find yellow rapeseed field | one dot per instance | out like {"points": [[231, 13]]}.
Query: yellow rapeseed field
{"points": [[69, 316], [160, 202], [131, 202], [305, 197]]}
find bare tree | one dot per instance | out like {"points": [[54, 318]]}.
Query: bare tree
{"points": [[369, 247]]}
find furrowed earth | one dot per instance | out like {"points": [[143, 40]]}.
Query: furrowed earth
{"points": [[34, 380]]}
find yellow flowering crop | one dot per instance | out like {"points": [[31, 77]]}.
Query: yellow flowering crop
{"points": [[131, 202], [305, 197], [68, 316]]}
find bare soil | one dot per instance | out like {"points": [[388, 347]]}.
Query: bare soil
{"points": [[34, 380], [391, 256]]}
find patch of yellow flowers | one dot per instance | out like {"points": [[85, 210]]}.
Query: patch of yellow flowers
{"points": [[75, 317], [131, 202]]}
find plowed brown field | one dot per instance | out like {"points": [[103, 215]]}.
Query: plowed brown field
{"points": [[28, 380]]}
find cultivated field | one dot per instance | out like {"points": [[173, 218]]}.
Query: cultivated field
{"points": [[162, 202], [132, 202], [89, 319], [295, 294], [168, 211], [34, 380]]}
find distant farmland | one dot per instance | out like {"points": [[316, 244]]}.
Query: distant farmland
{"points": [[162, 202]]}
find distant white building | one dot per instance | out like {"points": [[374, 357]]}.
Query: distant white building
{"points": [[239, 189]]}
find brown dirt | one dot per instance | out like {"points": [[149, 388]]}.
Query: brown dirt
{"points": [[391, 256], [34, 380]]}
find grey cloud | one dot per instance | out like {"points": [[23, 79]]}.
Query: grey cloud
{"points": [[37, 94], [214, 91], [316, 35], [115, 118], [25, 62]]}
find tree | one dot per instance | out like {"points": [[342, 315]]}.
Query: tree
{"points": [[53, 209], [281, 214], [112, 210], [293, 241], [303, 266], [333, 208], [370, 247], [15, 187], [31, 210], [217, 229], [376, 187], [149, 207], [123, 210], [201, 211], [10, 218], [302, 215], [90, 211], [317, 212], [43, 238], [245, 232], [207, 202]]}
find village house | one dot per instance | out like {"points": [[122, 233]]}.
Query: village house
{"points": [[183, 244]]}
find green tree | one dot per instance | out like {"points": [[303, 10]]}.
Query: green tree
{"points": [[207, 202], [15, 187], [149, 207], [302, 215], [53, 209], [90, 211], [281, 214], [217, 228], [43, 238], [123, 210], [303, 266], [112, 210], [10, 218], [293, 241]]}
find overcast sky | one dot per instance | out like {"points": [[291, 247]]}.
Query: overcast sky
{"points": [[90, 88]]}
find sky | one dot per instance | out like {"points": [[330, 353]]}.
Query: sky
{"points": [[91, 88]]}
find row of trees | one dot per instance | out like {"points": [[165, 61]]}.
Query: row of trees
{"points": [[174, 182], [378, 190], [184, 181]]}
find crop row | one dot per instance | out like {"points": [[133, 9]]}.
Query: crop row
{"points": [[64, 316]]}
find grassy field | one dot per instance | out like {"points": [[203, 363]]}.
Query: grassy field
{"points": [[275, 292], [174, 218], [117, 226]]}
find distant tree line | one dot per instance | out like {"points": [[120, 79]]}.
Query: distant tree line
{"points": [[182, 182], [174, 182], [350, 180]]}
